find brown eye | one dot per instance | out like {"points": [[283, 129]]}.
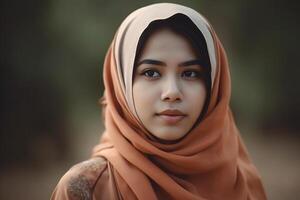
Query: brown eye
{"points": [[191, 74], [151, 73]]}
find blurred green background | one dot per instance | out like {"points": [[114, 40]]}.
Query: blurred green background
{"points": [[51, 72]]}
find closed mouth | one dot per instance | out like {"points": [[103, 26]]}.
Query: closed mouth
{"points": [[170, 112], [171, 116]]}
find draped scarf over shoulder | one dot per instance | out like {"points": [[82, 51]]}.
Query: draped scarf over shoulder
{"points": [[211, 162]]}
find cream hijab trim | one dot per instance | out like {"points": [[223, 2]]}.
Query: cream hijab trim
{"points": [[131, 29]]}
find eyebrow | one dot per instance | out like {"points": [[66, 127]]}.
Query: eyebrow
{"points": [[183, 64]]}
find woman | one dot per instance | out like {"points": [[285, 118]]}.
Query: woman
{"points": [[169, 132]]}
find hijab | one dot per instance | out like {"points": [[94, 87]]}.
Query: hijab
{"points": [[210, 162]]}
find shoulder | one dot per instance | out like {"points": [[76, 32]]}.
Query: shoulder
{"points": [[78, 182]]}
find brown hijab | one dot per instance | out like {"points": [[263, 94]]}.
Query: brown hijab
{"points": [[211, 162]]}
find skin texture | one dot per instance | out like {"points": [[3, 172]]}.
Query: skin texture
{"points": [[168, 83]]}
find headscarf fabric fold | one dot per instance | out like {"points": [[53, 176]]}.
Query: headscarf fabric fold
{"points": [[211, 162]]}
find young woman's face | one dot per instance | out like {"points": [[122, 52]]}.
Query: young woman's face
{"points": [[168, 88]]}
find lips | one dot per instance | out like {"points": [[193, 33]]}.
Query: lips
{"points": [[171, 116]]}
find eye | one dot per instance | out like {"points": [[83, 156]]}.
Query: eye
{"points": [[151, 73], [191, 74]]}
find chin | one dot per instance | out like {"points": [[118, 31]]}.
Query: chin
{"points": [[169, 136]]}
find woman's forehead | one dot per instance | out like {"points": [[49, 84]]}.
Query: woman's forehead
{"points": [[165, 44], [165, 38]]}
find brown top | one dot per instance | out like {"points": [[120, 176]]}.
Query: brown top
{"points": [[87, 180]]}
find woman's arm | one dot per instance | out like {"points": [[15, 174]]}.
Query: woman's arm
{"points": [[80, 181]]}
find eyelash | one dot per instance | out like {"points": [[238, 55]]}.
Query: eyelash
{"points": [[196, 75]]}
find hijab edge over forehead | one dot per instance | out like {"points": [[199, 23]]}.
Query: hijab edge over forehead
{"points": [[132, 28]]}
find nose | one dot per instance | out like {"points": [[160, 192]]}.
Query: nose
{"points": [[171, 90]]}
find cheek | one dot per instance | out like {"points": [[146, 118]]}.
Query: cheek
{"points": [[144, 96], [195, 95], [195, 89]]}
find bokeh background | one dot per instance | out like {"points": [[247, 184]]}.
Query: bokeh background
{"points": [[51, 79]]}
